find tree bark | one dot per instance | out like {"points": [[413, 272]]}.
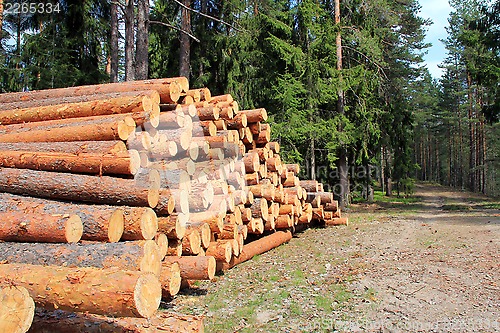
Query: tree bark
{"points": [[75, 187], [75, 147], [257, 247], [141, 256], [36, 227], [100, 222], [17, 308], [120, 293], [69, 322], [129, 41], [114, 48], [194, 267], [185, 42], [116, 127], [141, 102], [142, 40], [122, 164]]}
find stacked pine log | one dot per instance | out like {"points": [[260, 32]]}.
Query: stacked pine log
{"points": [[137, 187]]}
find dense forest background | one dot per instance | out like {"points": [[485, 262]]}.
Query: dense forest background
{"points": [[343, 81]]}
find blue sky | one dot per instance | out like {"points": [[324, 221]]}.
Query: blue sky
{"points": [[438, 11]]}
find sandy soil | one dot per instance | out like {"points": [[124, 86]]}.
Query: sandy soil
{"points": [[429, 266]]}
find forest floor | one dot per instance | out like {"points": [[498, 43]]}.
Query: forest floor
{"points": [[429, 264]]}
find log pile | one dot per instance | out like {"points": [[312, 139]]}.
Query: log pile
{"points": [[138, 187]]}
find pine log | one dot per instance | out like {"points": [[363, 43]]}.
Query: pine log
{"points": [[79, 99], [72, 147], [169, 93], [257, 225], [260, 208], [162, 241], [222, 98], [100, 222], [230, 231], [170, 279], [120, 293], [337, 221], [37, 227], [283, 221], [264, 136], [275, 147], [175, 248], [75, 187], [142, 102], [17, 308], [194, 267], [259, 246], [141, 256], [69, 322], [332, 206], [208, 113], [191, 243], [309, 185], [139, 223], [255, 115], [101, 128], [214, 219], [121, 164], [221, 251], [237, 122], [174, 226]]}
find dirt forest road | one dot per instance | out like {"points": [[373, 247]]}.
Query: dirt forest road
{"points": [[431, 265]]}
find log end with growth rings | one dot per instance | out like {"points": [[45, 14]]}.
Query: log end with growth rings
{"points": [[74, 229], [147, 295], [17, 309]]}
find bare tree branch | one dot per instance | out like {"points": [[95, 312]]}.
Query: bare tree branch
{"points": [[367, 58], [175, 28], [207, 16]]}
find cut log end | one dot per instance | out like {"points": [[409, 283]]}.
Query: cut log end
{"points": [[17, 309], [151, 261], [149, 224], [147, 295], [116, 226], [74, 229]]}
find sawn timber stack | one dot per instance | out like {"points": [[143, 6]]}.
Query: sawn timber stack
{"points": [[149, 184]]}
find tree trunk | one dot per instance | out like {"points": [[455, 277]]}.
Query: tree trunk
{"points": [[472, 136], [142, 40], [119, 293], [185, 42], [342, 163], [129, 41], [16, 305], [114, 48]]}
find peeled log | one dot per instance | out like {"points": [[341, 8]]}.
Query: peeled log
{"points": [[259, 246], [16, 309], [76, 187], [141, 256], [120, 164], [69, 322], [142, 102], [119, 293], [194, 267], [36, 227], [168, 93]]}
